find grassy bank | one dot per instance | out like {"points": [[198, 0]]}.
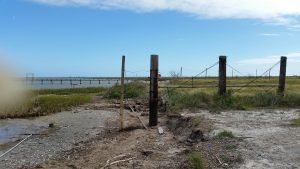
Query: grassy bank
{"points": [[181, 99], [44, 105], [292, 85], [94, 90], [48, 101]]}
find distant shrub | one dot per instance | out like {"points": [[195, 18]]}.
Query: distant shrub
{"points": [[225, 134], [132, 90]]}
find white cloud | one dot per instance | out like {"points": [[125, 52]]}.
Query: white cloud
{"points": [[283, 12], [292, 58], [270, 34]]}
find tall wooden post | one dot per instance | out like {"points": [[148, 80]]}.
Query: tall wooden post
{"points": [[153, 90], [282, 76], [222, 75], [122, 94]]}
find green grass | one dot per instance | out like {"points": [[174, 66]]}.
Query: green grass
{"points": [[45, 105], [184, 99], [48, 101], [225, 134], [292, 85], [230, 146], [295, 122], [231, 159], [94, 90], [132, 90], [197, 161]]}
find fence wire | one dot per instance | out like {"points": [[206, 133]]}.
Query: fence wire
{"points": [[205, 70], [258, 77]]}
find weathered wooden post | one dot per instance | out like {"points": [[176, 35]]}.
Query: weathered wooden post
{"points": [[122, 94], [153, 90], [282, 76], [222, 75]]}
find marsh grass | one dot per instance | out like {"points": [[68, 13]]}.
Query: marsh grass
{"points": [[183, 99], [225, 134], [94, 90], [292, 85], [197, 161], [48, 101], [45, 105], [295, 122]]}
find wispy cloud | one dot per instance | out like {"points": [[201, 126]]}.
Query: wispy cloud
{"points": [[270, 34], [282, 12], [292, 58]]}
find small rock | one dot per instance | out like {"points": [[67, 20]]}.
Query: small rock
{"points": [[160, 130], [196, 135], [147, 152], [72, 166], [51, 125], [39, 166]]}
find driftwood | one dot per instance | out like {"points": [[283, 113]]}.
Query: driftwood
{"points": [[15, 146]]}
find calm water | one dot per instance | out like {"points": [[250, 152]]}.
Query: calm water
{"points": [[56, 83]]}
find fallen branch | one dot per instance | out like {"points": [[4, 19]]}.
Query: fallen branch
{"points": [[116, 162], [33, 134], [138, 117], [15, 146], [219, 160]]}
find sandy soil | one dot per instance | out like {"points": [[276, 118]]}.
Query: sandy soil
{"points": [[269, 140]]}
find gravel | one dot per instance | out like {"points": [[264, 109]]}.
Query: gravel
{"points": [[70, 128]]}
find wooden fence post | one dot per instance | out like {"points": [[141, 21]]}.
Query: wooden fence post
{"points": [[222, 75], [122, 94], [282, 76], [153, 90]]}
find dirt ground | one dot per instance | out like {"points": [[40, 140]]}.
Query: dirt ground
{"points": [[268, 139], [88, 138]]}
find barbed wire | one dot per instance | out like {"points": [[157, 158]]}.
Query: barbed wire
{"points": [[205, 70], [234, 69], [256, 78]]}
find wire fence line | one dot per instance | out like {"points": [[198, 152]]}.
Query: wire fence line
{"points": [[205, 70], [234, 69], [258, 77], [239, 87]]}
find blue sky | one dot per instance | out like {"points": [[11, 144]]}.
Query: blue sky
{"points": [[88, 37]]}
